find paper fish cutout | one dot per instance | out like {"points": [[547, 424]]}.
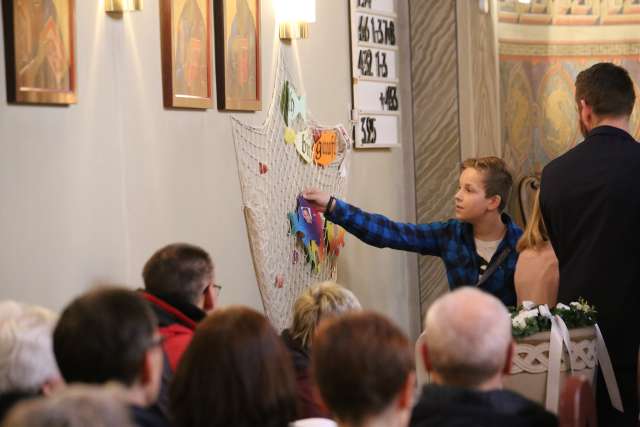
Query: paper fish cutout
{"points": [[292, 105], [279, 282], [319, 238], [307, 224], [325, 148], [304, 145], [289, 136], [334, 238], [297, 106], [263, 168], [284, 102]]}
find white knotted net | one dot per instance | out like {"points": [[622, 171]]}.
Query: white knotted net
{"points": [[272, 175]]}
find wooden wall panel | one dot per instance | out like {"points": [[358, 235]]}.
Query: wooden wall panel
{"points": [[435, 125], [479, 80]]}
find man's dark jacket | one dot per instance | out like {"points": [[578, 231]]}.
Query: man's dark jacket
{"points": [[447, 406], [590, 201]]}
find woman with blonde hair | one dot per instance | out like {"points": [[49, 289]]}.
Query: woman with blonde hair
{"points": [[537, 274], [316, 303]]}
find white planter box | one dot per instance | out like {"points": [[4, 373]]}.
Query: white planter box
{"points": [[530, 364]]}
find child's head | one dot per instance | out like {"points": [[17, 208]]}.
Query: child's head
{"points": [[535, 233], [485, 183]]}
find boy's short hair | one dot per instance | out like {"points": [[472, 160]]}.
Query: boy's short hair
{"points": [[103, 336], [319, 301], [498, 180], [179, 271], [607, 89], [360, 354]]}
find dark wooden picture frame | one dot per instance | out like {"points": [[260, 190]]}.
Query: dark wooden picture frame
{"points": [[185, 35], [238, 68], [39, 40]]}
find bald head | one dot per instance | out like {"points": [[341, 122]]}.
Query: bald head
{"points": [[468, 337]]}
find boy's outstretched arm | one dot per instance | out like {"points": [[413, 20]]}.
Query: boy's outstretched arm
{"points": [[378, 230]]}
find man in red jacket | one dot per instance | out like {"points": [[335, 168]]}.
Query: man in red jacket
{"points": [[179, 283]]}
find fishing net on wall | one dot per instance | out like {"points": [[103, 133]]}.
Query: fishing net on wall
{"points": [[272, 174]]}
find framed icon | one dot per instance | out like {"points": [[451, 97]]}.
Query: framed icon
{"points": [[40, 51]]}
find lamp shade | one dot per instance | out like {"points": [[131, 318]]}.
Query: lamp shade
{"points": [[298, 11], [307, 10]]}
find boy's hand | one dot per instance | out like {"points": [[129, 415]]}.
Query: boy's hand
{"points": [[318, 198]]}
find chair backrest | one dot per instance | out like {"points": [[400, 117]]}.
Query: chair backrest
{"points": [[577, 406], [527, 189], [422, 376]]}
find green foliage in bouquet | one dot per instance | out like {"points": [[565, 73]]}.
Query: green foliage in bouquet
{"points": [[527, 320]]}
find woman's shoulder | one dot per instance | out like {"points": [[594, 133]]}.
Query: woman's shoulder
{"points": [[543, 251]]}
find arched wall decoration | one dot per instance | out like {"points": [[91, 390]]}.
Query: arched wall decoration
{"points": [[542, 47]]}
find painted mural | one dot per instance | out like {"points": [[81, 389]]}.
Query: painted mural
{"points": [[543, 46]]}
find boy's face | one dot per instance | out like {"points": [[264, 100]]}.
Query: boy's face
{"points": [[471, 200]]}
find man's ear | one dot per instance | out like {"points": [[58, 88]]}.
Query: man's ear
{"points": [[425, 357], [207, 304], [586, 111], [405, 398], [51, 386], [146, 373], [507, 361]]}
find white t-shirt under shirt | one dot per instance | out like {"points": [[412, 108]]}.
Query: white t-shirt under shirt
{"points": [[486, 249]]}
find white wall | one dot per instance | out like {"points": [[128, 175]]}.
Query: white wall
{"points": [[89, 191]]}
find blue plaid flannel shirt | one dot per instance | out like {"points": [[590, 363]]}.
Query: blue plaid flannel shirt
{"points": [[451, 240]]}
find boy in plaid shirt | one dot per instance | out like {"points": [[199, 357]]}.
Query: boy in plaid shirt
{"points": [[477, 247]]}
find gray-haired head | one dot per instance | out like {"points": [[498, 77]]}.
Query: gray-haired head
{"points": [[27, 362], [468, 337], [75, 406], [320, 301]]}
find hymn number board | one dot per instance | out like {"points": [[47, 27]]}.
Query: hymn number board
{"points": [[374, 48]]}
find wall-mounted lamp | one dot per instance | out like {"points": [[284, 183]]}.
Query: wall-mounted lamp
{"points": [[293, 18], [119, 6], [483, 5]]}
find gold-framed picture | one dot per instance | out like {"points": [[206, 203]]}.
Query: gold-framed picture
{"points": [[185, 33], [238, 69], [39, 40]]}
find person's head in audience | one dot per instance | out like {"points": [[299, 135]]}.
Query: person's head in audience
{"points": [[27, 363], [76, 406], [468, 340], [535, 233], [364, 368], [184, 273], [236, 372], [110, 335], [483, 189], [318, 302], [605, 96]]}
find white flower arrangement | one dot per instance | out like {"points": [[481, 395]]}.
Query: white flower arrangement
{"points": [[531, 318]]}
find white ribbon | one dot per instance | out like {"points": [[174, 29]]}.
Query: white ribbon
{"points": [[607, 371], [559, 338], [553, 372], [566, 337]]}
